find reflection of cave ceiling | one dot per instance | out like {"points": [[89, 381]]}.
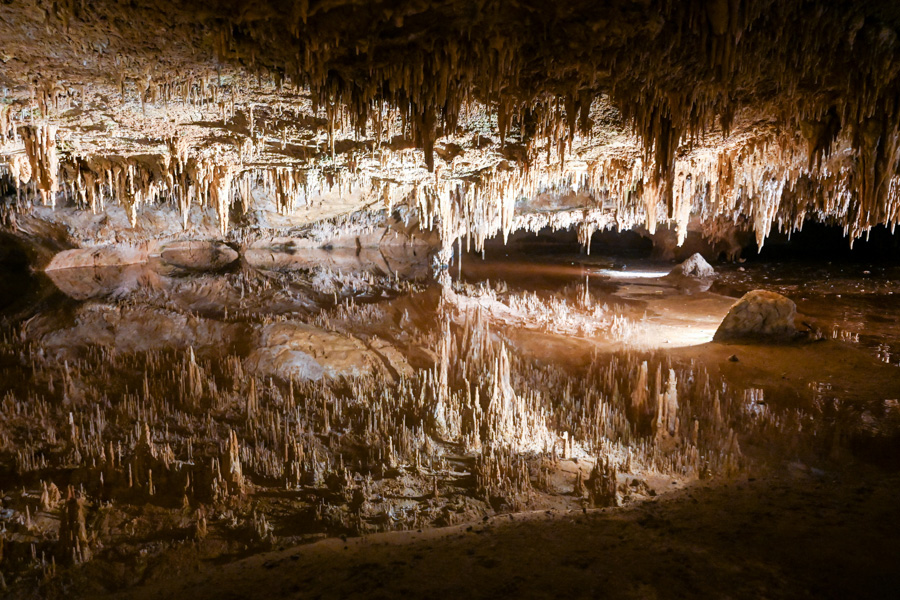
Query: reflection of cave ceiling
{"points": [[483, 116]]}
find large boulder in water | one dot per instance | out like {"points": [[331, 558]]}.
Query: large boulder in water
{"points": [[759, 315], [694, 267]]}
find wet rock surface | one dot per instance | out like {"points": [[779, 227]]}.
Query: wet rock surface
{"points": [[787, 526], [760, 315], [198, 255], [694, 267]]}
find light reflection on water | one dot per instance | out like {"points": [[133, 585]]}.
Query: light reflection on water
{"points": [[858, 303]]}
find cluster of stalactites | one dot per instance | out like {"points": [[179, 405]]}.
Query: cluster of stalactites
{"points": [[753, 180], [427, 72], [738, 45], [767, 181], [182, 181], [40, 148]]}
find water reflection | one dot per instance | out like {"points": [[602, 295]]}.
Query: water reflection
{"points": [[291, 396]]}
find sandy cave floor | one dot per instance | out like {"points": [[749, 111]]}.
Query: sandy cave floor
{"points": [[800, 533]]}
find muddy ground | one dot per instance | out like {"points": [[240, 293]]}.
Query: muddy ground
{"points": [[795, 534]]}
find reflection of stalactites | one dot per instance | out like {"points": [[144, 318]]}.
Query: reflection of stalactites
{"points": [[442, 391], [73, 537], [603, 484], [234, 475], [192, 377], [640, 396], [40, 147], [667, 421], [220, 194], [502, 393]]}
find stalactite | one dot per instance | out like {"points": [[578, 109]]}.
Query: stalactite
{"points": [[40, 147]]}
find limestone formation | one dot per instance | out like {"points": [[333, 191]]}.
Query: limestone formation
{"points": [[694, 267], [199, 256], [759, 315], [477, 120], [250, 212]]}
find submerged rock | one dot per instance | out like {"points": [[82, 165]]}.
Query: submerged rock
{"points": [[760, 314], [695, 267]]}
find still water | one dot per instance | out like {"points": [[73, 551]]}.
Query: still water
{"points": [[148, 407]]}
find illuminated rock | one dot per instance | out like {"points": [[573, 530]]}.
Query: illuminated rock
{"points": [[695, 267], [760, 314], [318, 114]]}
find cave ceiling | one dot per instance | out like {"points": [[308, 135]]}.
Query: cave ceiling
{"points": [[479, 117]]}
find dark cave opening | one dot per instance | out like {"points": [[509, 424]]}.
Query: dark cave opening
{"points": [[18, 281], [827, 242], [549, 242], [815, 242]]}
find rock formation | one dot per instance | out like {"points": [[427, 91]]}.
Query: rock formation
{"points": [[249, 210], [700, 116], [694, 267], [759, 315]]}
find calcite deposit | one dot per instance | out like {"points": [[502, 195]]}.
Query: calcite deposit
{"points": [[762, 315], [694, 267], [213, 118]]}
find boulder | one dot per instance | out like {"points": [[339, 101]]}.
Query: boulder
{"points": [[199, 256], [694, 267], [759, 315]]}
